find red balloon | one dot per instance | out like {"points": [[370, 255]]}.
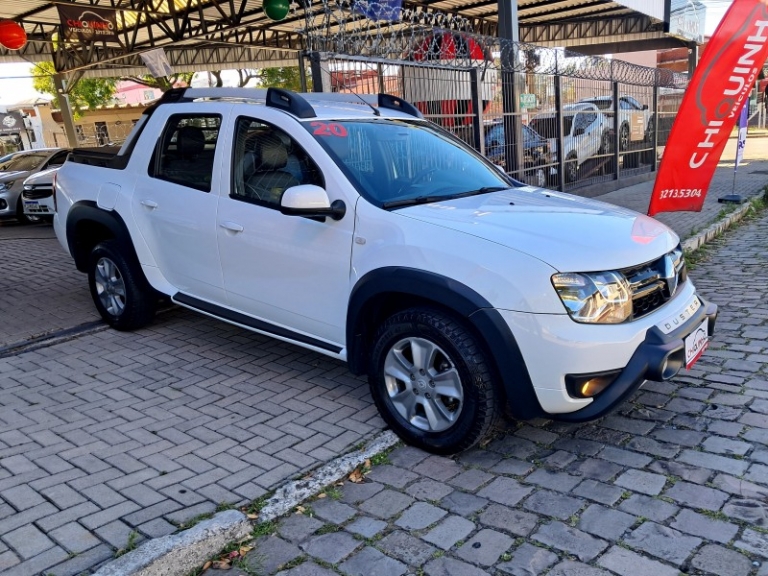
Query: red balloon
{"points": [[12, 35]]}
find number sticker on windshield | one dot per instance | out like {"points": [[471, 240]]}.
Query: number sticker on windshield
{"points": [[329, 129]]}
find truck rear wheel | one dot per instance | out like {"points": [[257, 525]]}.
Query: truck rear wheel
{"points": [[118, 288], [431, 381]]}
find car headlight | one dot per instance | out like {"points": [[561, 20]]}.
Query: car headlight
{"points": [[596, 298], [6, 186]]}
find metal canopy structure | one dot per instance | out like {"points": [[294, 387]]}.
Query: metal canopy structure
{"points": [[202, 35]]}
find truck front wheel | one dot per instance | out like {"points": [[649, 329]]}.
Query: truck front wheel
{"points": [[118, 288], [431, 381]]}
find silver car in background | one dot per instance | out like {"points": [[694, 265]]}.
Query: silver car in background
{"points": [[15, 171]]}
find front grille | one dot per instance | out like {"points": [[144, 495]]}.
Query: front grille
{"points": [[654, 283], [37, 193]]}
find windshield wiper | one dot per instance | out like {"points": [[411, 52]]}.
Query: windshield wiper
{"points": [[413, 201], [428, 199]]}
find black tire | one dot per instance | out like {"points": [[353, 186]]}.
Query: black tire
{"points": [[571, 168], [111, 267], [624, 137], [458, 360]]}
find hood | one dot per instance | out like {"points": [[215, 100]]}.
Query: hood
{"points": [[6, 176], [44, 177], [569, 233]]}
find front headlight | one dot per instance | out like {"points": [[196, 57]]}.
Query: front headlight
{"points": [[597, 297], [6, 186]]}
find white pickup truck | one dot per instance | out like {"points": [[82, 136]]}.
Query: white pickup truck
{"points": [[353, 227]]}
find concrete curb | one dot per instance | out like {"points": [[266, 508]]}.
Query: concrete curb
{"points": [[179, 554], [697, 241]]}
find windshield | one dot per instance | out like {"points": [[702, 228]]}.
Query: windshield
{"points": [[398, 162], [601, 103], [23, 163]]}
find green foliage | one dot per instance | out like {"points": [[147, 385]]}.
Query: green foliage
{"points": [[287, 77], [87, 93], [163, 83]]}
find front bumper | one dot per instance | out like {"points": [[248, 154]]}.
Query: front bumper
{"points": [[647, 363]]}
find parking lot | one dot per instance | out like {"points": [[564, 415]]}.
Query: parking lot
{"points": [[109, 438]]}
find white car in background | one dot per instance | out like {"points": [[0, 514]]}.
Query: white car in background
{"points": [[37, 195], [586, 132], [634, 118]]}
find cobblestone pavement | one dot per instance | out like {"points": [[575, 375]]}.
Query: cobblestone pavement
{"points": [[675, 482], [110, 434]]}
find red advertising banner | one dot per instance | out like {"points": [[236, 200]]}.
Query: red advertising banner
{"points": [[711, 106]]}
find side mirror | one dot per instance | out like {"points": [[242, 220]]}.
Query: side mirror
{"points": [[311, 201], [645, 106]]}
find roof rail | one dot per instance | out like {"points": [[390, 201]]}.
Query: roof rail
{"points": [[395, 103], [290, 102]]}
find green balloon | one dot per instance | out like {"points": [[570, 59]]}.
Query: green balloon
{"points": [[276, 9]]}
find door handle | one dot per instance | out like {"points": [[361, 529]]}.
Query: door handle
{"points": [[231, 226], [151, 204]]}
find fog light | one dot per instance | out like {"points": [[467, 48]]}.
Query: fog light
{"points": [[589, 385], [3, 204]]}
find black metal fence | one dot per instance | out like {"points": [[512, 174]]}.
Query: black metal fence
{"points": [[550, 117]]}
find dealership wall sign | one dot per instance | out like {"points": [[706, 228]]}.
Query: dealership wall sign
{"points": [[87, 23]]}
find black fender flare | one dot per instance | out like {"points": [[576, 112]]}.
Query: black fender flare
{"points": [[481, 317], [88, 211]]}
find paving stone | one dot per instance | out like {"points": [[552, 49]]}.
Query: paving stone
{"points": [[428, 489], [304, 569], [651, 446], [726, 446], [365, 527], [450, 567], [371, 562], [757, 473], [569, 568], [270, 553], [485, 547], [558, 460], [624, 457], [714, 559], [528, 560], [708, 528], [471, 480], [662, 542], [505, 491], [462, 503], [639, 481], [514, 447], [74, 538], [511, 520], [714, 462], [81, 563], [27, 541], [605, 523], [739, 487], [332, 511], [449, 531], [697, 496], [582, 446], [754, 512], [438, 468], [354, 493], [22, 497], [599, 492], [115, 533], [479, 458], [553, 504], [419, 516], [571, 540], [682, 437], [512, 466], [333, 547], [392, 475], [407, 456], [753, 542], [597, 469], [386, 504], [559, 481], [688, 473], [628, 563], [407, 548]]}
